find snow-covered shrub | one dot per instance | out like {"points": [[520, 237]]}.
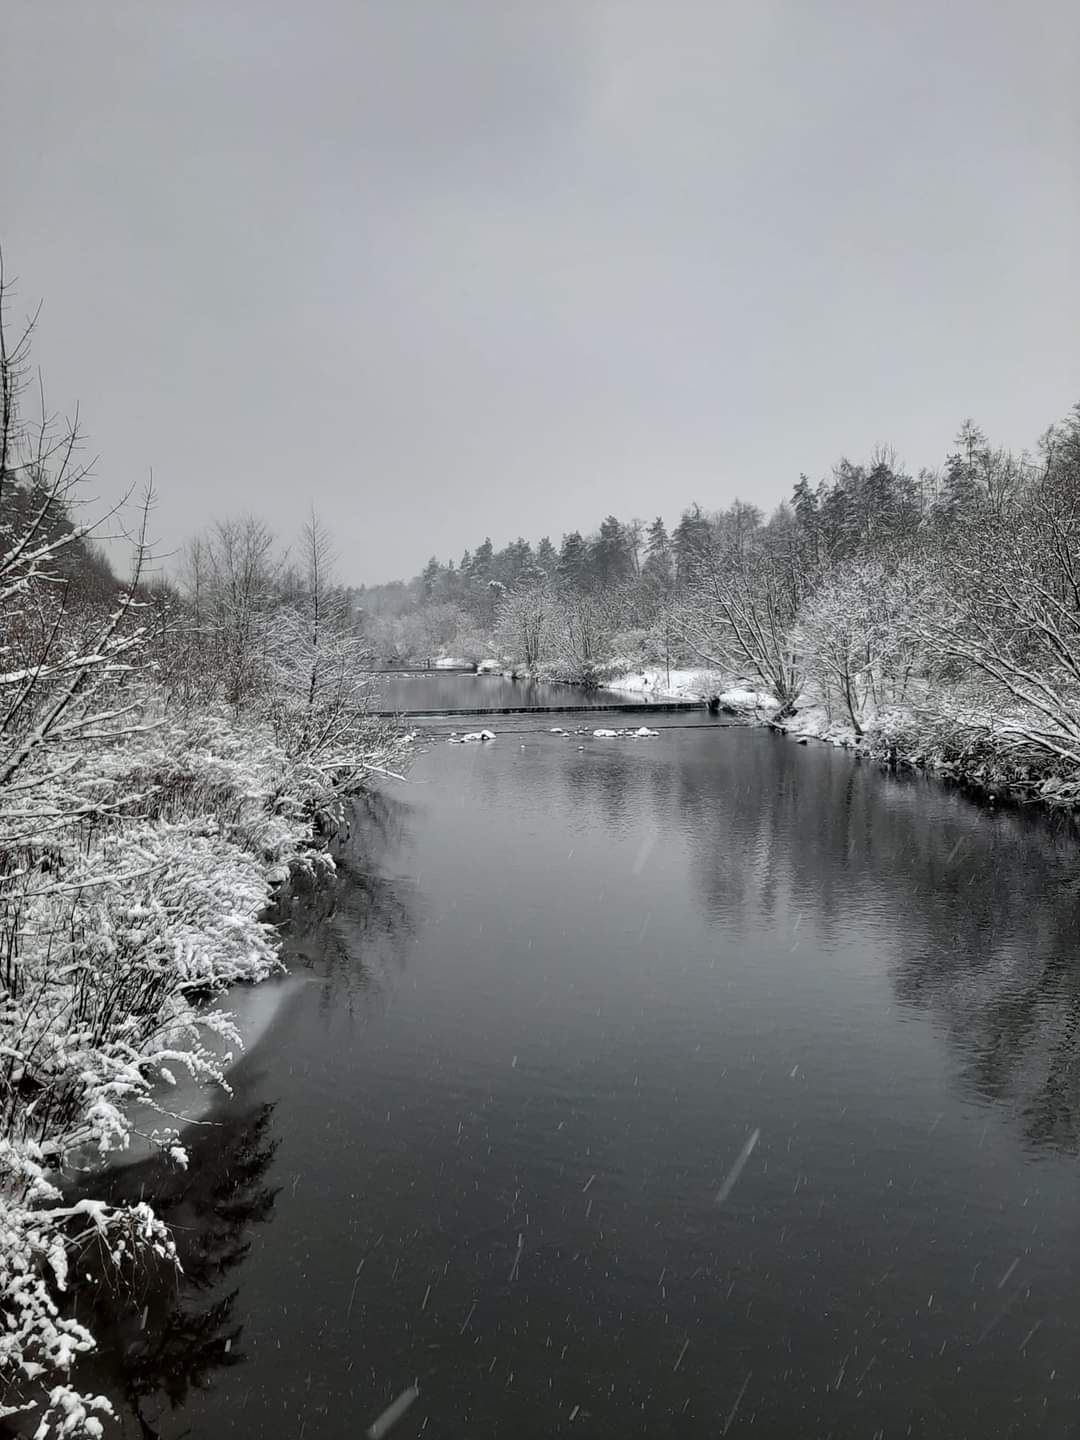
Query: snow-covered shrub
{"points": [[39, 1240], [951, 734]]}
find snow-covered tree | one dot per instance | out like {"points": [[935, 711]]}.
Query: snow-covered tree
{"points": [[1008, 626], [854, 637], [739, 611], [523, 627], [319, 684]]}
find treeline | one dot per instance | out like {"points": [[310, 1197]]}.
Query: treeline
{"points": [[458, 605], [935, 616], [167, 750], [642, 574]]}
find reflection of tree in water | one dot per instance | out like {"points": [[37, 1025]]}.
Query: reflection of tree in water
{"points": [[161, 1333], [981, 908], [351, 924], [977, 911], [610, 780], [164, 1334], [754, 795]]}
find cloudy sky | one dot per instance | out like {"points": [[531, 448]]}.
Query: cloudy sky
{"points": [[450, 268]]}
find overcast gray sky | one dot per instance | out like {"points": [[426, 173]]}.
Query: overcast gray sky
{"points": [[462, 267]]}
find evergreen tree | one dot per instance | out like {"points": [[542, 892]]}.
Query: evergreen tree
{"points": [[690, 542], [429, 577], [806, 509], [547, 557], [961, 491], [839, 511], [658, 570], [509, 563], [572, 570], [610, 560], [483, 560]]}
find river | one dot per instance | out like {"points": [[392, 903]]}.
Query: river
{"points": [[692, 1086], [434, 691]]}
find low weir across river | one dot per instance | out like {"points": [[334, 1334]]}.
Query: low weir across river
{"points": [[626, 707]]}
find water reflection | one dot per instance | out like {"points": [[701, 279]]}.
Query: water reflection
{"points": [[354, 927], [162, 1334], [435, 691], [987, 903]]}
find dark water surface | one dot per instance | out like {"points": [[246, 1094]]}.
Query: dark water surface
{"points": [[504, 1145], [435, 691]]}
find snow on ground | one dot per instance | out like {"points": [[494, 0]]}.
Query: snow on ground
{"points": [[812, 722], [740, 698], [661, 684]]}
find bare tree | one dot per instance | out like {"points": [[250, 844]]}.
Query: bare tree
{"points": [[229, 579], [523, 625], [1009, 621], [740, 609], [854, 637], [58, 669], [583, 635], [318, 687]]}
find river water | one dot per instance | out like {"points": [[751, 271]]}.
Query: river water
{"points": [[431, 690], [693, 1086]]}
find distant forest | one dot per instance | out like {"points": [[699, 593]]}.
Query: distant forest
{"points": [[940, 610]]}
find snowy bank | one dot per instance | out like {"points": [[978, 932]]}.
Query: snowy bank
{"points": [[948, 736], [660, 684], [937, 730], [703, 685], [107, 1040]]}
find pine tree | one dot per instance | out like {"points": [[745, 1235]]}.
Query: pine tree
{"points": [[509, 563], [658, 570], [806, 509], [572, 569], [429, 577], [689, 543], [547, 557], [610, 561], [961, 491]]}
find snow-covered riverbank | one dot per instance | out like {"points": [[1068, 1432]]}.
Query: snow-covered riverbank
{"points": [[109, 1044], [703, 685], [934, 732]]}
